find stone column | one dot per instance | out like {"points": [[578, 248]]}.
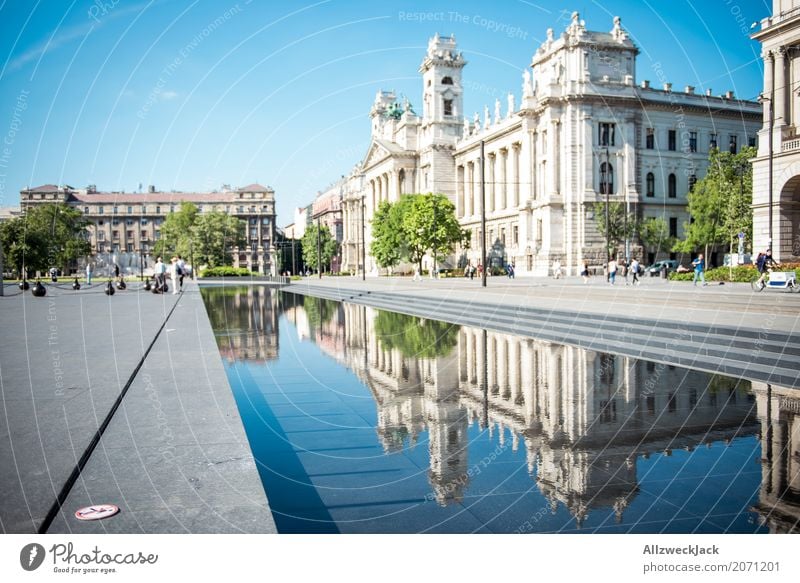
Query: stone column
{"points": [[470, 189], [491, 167], [769, 79], [780, 87], [502, 195], [235, 258], [460, 191]]}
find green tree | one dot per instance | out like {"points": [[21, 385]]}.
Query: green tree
{"points": [[176, 231], [720, 203], [619, 228], [328, 246], [414, 336], [388, 245], [415, 225], [214, 235], [654, 234], [47, 235]]}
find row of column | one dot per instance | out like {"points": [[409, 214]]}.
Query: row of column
{"points": [[502, 182], [787, 101]]}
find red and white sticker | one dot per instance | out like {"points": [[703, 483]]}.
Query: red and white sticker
{"points": [[96, 512]]}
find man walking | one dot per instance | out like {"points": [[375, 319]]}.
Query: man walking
{"points": [[635, 270], [699, 270], [89, 272], [612, 271]]}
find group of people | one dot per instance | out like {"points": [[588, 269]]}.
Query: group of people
{"points": [[471, 270], [177, 270], [614, 267]]}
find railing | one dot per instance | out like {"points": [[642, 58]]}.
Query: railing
{"points": [[790, 145]]}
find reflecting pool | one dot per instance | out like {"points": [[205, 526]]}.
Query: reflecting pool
{"points": [[363, 420]]}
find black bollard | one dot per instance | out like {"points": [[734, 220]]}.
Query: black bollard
{"points": [[76, 285], [110, 289], [38, 289], [54, 279], [121, 285], [23, 285], [147, 284]]}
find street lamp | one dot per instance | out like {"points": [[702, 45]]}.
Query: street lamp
{"points": [[363, 238], [771, 100]]}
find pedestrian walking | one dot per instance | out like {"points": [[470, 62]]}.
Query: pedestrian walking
{"points": [[159, 269], [116, 271], [417, 275], [89, 271], [181, 265], [623, 266], [174, 274], [612, 271], [510, 270], [699, 270], [585, 272], [556, 269], [471, 272], [635, 267]]}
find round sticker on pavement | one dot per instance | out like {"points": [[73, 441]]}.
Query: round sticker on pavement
{"points": [[96, 512]]}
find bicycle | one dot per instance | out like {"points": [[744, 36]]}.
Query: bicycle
{"points": [[778, 280]]}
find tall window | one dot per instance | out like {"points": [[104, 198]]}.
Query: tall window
{"points": [[712, 141], [607, 134], [671, 143], [651, 184], [672, 188], [515, 235], [130, 210], [606, 178], [693, 141], [732, 144], [751, 141], [650, 139], [448, 107], [447, 81], [673, 226]]}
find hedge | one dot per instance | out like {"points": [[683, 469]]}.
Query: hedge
{"points": [[227, 272], [741, 273]]}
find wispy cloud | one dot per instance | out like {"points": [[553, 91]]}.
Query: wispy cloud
{"points": [[168, 95], [67, 34]]}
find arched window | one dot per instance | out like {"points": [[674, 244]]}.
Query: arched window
{"points": [[651, 184], [447, 81], [606, 178], [672, 189]]}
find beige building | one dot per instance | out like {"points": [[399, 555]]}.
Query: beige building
{"points": [[582, 126], [776, 170], [130, 222]]}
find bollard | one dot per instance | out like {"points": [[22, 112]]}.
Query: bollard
{"points": [[121, 285], [109, 289], [23, 285], [147, 284], [76, 285], [39, 290]]}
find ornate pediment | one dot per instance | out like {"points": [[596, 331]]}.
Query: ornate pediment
{"points": [[375, 154]]}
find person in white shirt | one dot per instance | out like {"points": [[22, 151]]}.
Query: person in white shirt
{"points": [[635, 270], [159, 269], [174, 274], [612, 271], [181, 271]]}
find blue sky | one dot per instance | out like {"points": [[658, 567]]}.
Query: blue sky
{"points": [[189, 95]]}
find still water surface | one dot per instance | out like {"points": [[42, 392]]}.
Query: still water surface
{"points": [[363, 420]]}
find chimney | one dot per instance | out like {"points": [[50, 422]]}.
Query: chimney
{"points": [[151, 188], [729, 95], [689, 90], [645, 84], [667, 87], [708, 92], [91, 189]]}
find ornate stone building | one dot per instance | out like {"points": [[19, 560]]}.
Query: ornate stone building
{"points": [[130, 222], [776, 190], [583, 123]]}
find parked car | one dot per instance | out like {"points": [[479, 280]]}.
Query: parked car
{"points": [[655, 269]]}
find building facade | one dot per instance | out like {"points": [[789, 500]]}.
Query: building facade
{"points": [[776, 170], [130, 222], [583, 128]]}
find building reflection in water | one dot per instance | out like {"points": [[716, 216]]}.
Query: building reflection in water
{"points": [[779, 497], [583, 419], [245, 322]]}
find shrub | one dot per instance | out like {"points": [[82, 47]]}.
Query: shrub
{"points": [[741, 274], [226, 271]]}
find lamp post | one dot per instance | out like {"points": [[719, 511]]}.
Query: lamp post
{"points": [[604, 175], [363, 238], [771, 101], [319, 249], [483, 214]]}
